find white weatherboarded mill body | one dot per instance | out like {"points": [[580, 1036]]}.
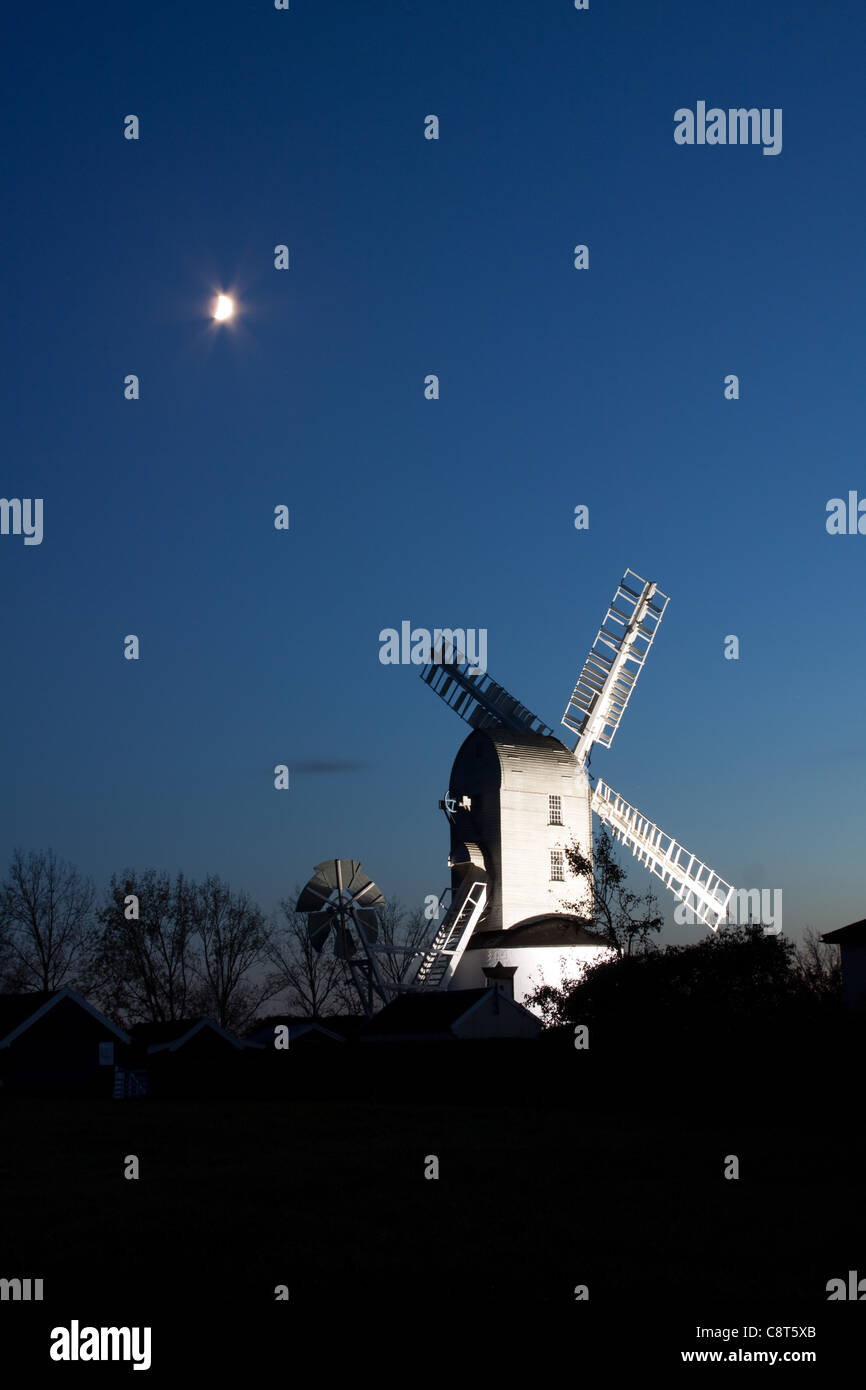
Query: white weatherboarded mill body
{"points": [[519, 800]]}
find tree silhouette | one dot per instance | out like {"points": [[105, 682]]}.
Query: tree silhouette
{"points": [[625, 919], [233, 939], [314, 981], [46, 909], [736, 976], [820, 966], [406, 929], [143, 965]]}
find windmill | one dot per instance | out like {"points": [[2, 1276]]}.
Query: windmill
{"points": [[343, 899], [518, 796]]}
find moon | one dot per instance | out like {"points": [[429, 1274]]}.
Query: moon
{"points": [[224, 307]]}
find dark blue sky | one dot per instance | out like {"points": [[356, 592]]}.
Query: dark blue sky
{"points": [[558, 387]]}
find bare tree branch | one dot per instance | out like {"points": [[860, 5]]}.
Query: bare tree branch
{"points": [[315, 981], [143, 967], [46, 915], [625, 919], [234, 938]]}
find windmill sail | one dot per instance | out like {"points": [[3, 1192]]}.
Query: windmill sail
{"points": [[693, 882], [615, 661], [479, 699], [339, 879]]}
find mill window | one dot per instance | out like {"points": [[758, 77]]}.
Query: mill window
{"points": [[556, 866], [555, 810]]}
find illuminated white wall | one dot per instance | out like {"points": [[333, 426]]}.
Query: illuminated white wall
{"points": [[536, 965]]}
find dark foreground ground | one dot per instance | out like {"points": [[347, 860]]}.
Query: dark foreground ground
{"points": [[536, 1195]]}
